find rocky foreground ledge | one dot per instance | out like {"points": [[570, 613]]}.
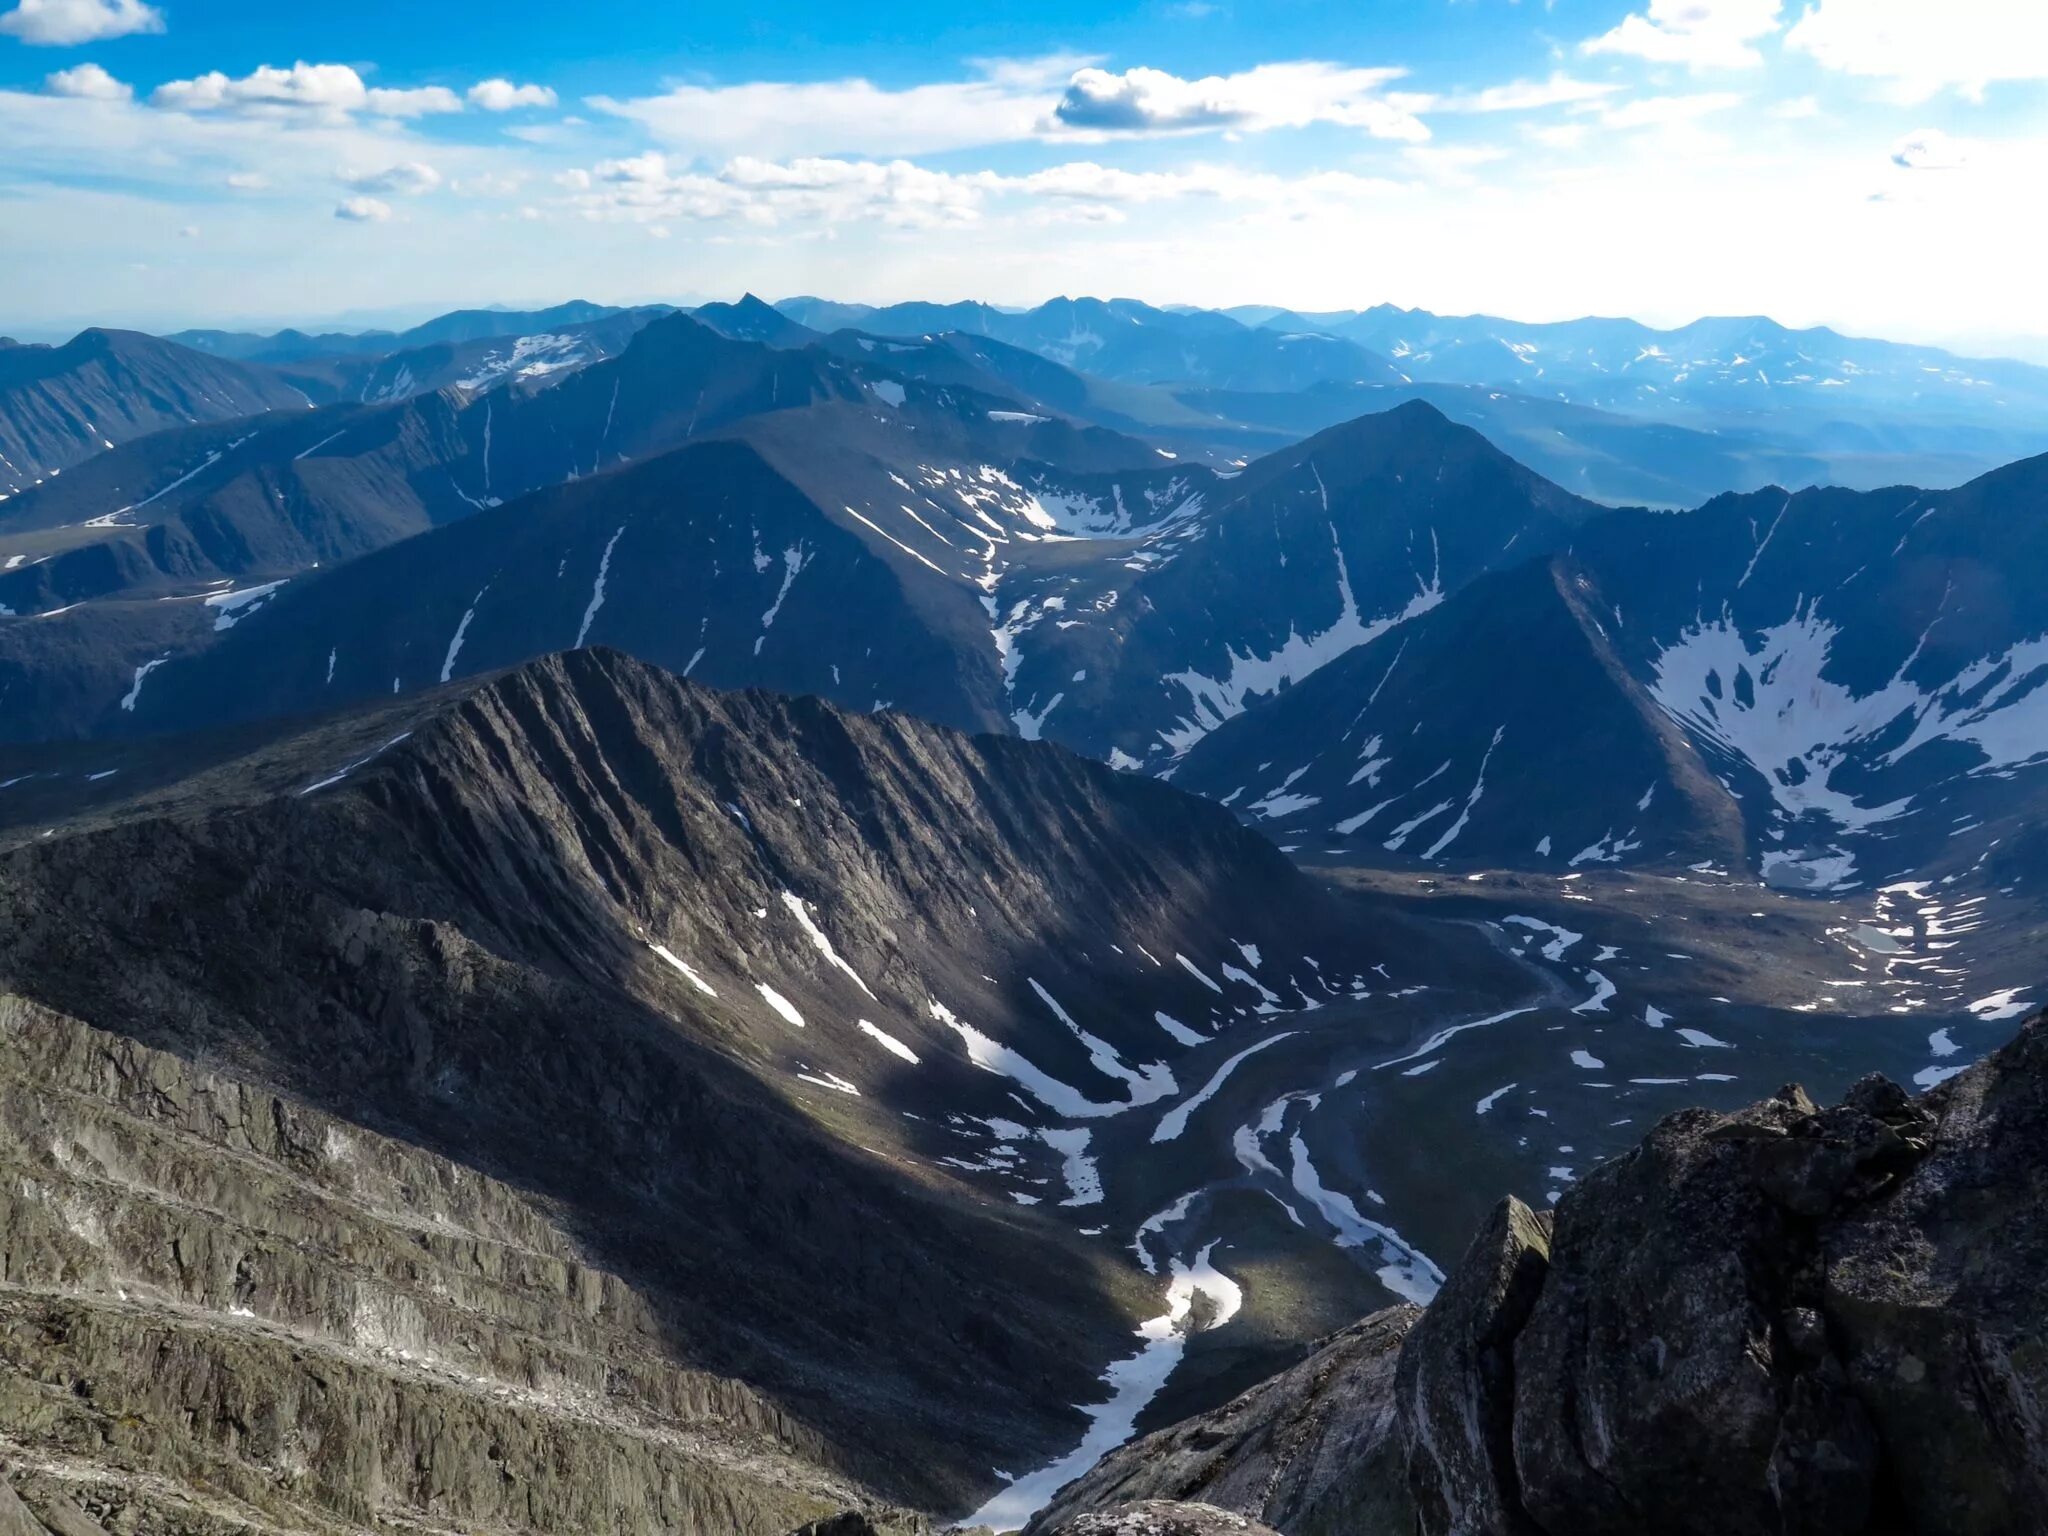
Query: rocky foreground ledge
{"points": [[1787, 1321]]}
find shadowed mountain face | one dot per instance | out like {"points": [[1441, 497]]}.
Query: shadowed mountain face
{"points": [[215, 517], [1502, 728], [59, 406], [1836, 689], [730, 1001], [1307, 555], [908, 545]]}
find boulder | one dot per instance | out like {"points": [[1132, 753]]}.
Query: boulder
{"points": [[1456, 1381]]}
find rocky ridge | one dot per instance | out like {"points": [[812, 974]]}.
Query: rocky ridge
{"points": [[579, 1068]]}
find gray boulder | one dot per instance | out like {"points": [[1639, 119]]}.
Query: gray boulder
{"points": [[1456, 1383]]}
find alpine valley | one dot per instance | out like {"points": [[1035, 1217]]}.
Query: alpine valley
{"points": [[1097, 918]]}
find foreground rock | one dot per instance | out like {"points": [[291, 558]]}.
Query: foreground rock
{"points": [[1786, 1321], [1311, 1451]]}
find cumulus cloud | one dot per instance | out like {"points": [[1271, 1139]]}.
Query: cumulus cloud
{"points": [[65, 23], [1013, 101], [1929, 149], [88, 82], [324, 92], [363, 210], [504, 96], [409, 178], [1920, 48], [1702, 34], [1139, 101], [843, 116]]}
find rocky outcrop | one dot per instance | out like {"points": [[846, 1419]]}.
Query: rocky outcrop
{"points": [[1786, 1321], [1455, 1387], [1311, 1451], [204, 1286]]}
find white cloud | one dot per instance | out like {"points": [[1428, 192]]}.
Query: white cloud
{"points": [[88, 81], [767, 193], [504, 96], [63, 23], [1920, 47], [1140, 101], [1703, 34], [844, 116], [363, 210], [408, 178], [248, 181], [1559, 90], [1929, 149], [1013, 101], [326, 92]]}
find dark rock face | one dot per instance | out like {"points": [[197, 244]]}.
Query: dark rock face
{"points": [[1786, 1320], [1935, 1299], [1456, 1383], [1311, 1451], [1161, 1517]]}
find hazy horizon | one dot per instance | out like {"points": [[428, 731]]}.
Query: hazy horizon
{"points": [[1863, 164]]}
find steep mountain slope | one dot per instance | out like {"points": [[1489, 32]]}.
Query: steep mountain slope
{"points": [[218, 516], [868, 587], [704, 561], [1867, 670], [59, 406], [748, 1026], [1309, 553], [1501, 729], [980, 566], [1863, 674]]}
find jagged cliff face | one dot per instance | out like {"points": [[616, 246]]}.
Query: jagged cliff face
{"points": [[582, 1068], [1789, 1319]]}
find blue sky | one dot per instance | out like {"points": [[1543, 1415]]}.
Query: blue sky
{"points": [[1873, 164]]}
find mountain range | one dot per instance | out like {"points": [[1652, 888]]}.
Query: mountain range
{"points": [[844, 909]]}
